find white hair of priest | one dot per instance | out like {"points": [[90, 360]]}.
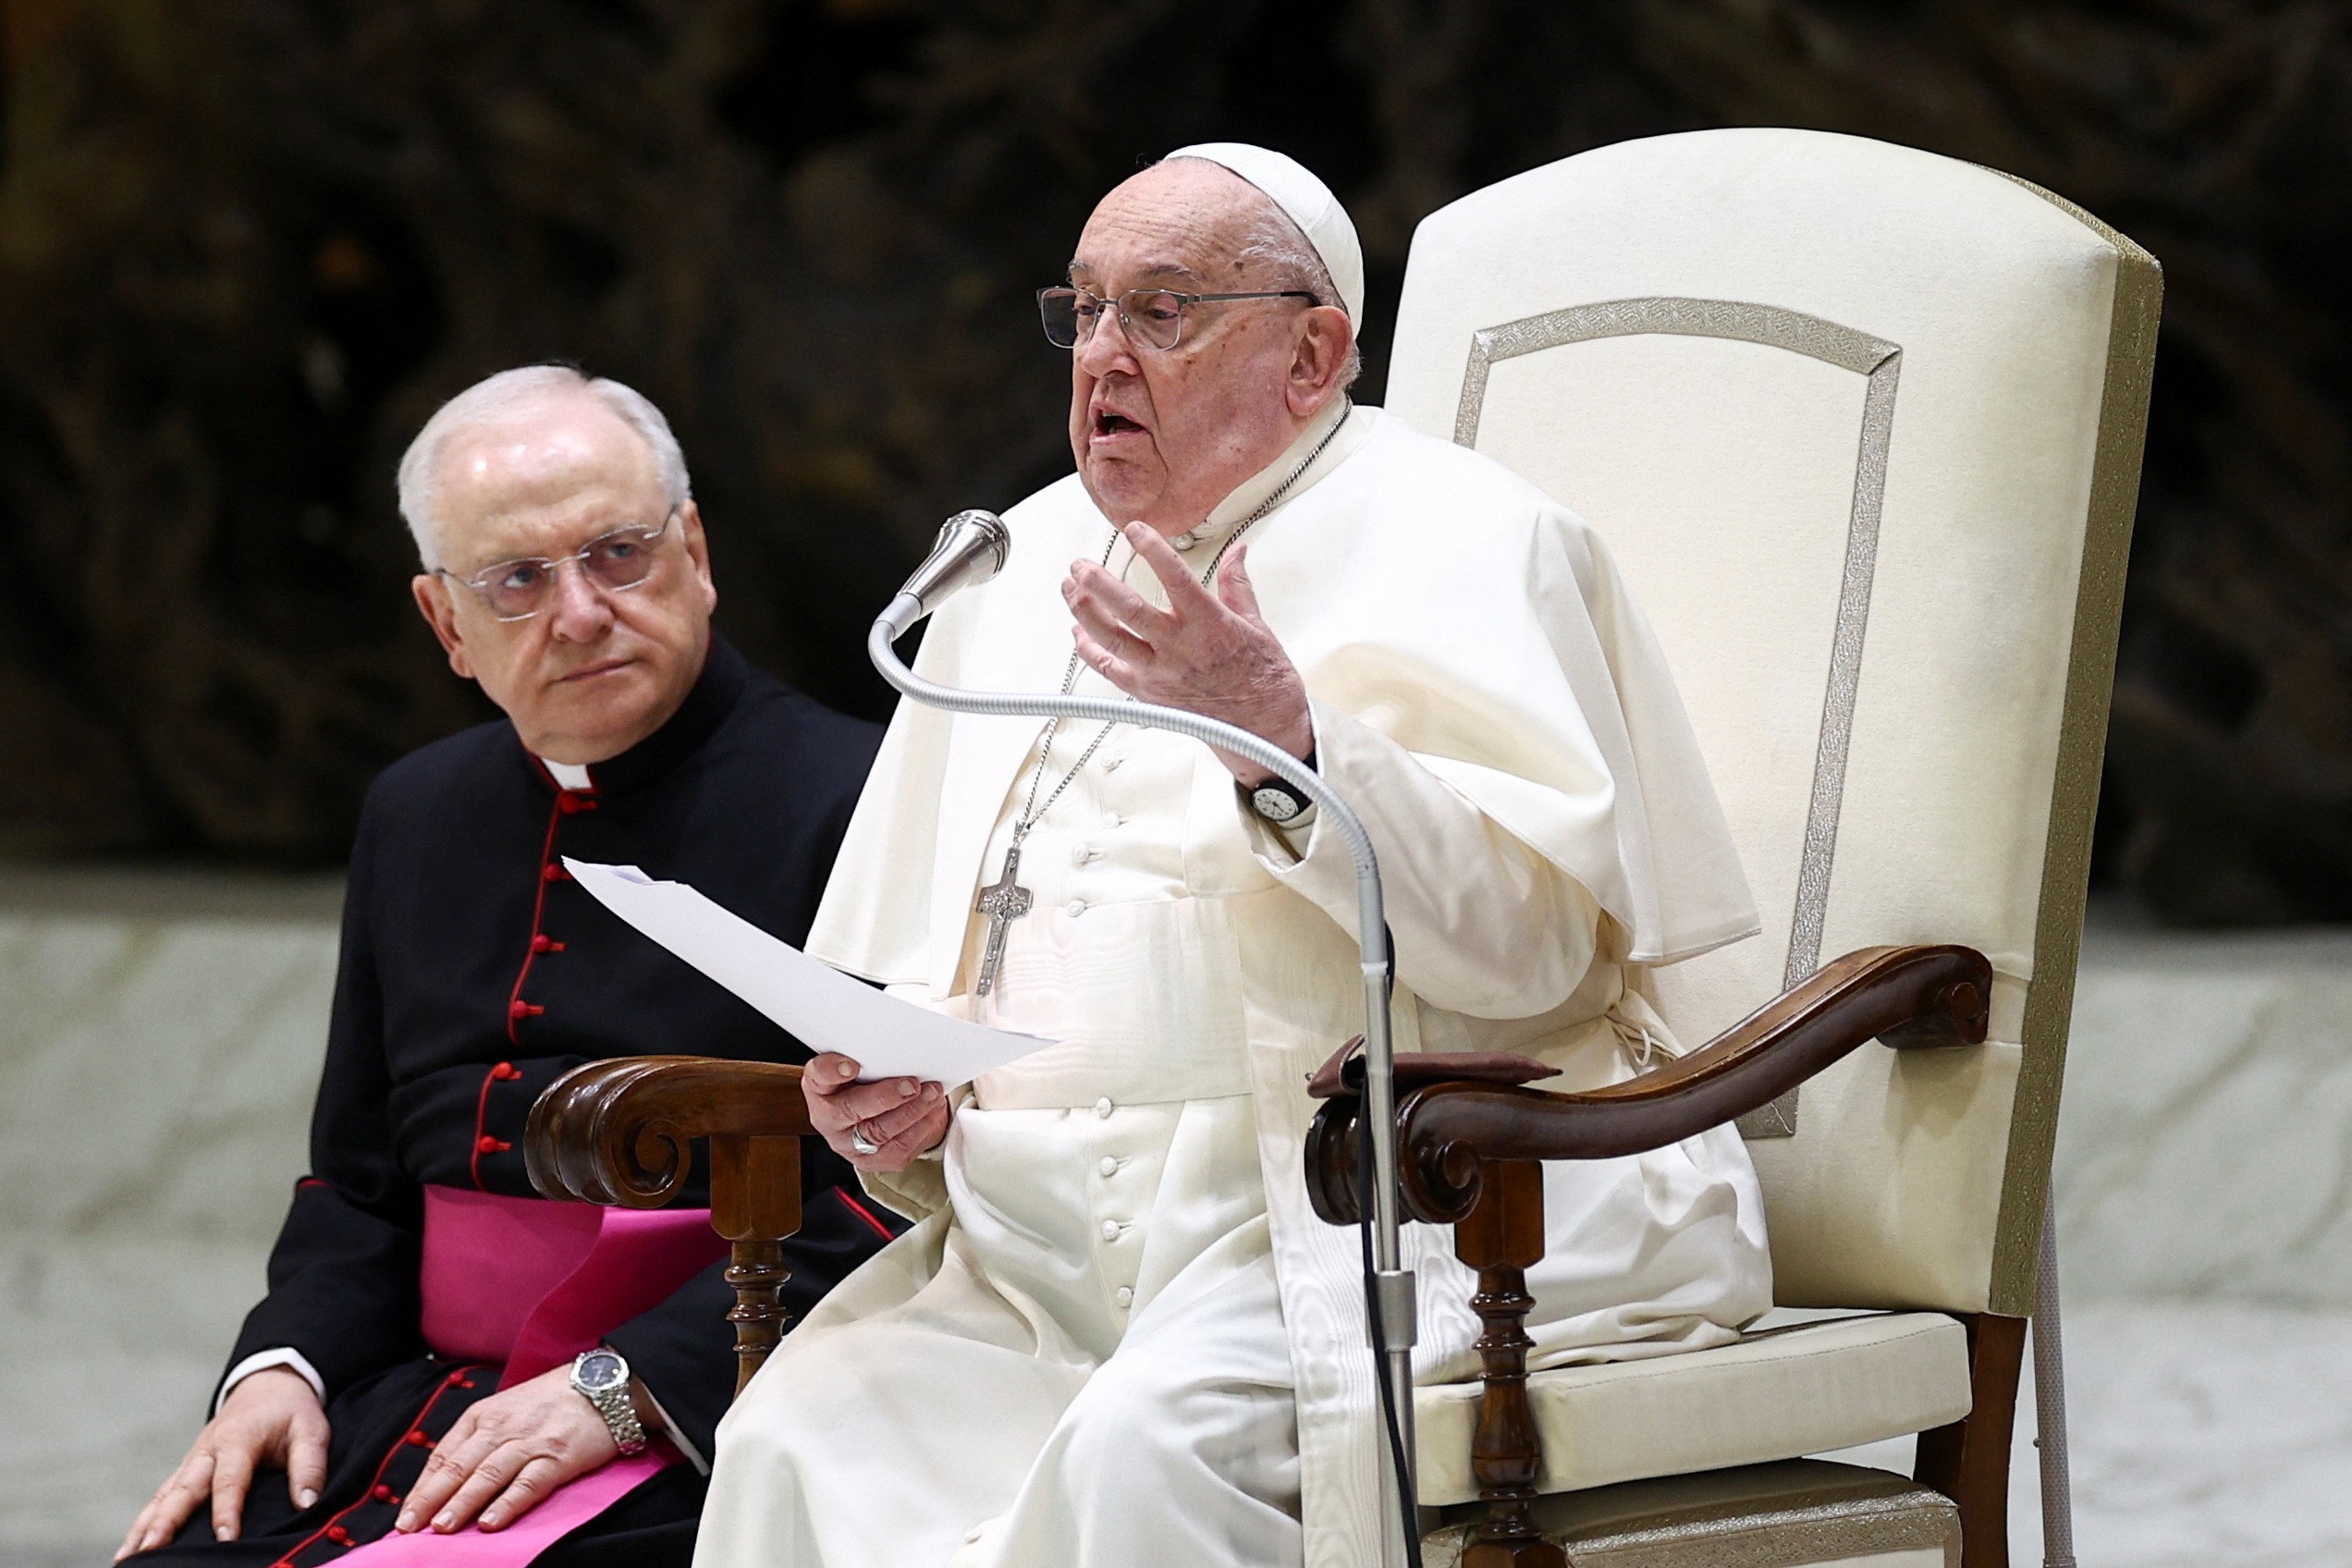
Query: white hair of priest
{"points": [[496, 400]]}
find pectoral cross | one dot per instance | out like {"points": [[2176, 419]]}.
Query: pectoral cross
{"points": [[1003, 902]]}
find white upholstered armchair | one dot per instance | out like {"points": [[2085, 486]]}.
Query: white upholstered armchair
{"points": [[1863, 426]]}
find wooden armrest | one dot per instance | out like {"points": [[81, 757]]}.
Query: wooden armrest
{"points": [[1910, 997], [621, 1133], [616, 1132], [1343, 1073]]}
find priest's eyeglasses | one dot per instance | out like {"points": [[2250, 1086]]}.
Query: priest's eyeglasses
{"points": [[1154, 317], [520, 588]]}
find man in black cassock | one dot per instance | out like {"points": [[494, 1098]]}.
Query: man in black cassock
{"points": [[567, 572]]}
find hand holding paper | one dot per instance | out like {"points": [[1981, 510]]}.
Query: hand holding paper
{"points": [[826, 1010]]}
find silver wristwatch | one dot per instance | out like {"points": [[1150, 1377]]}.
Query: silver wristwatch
{"points": [[601, 1377]]}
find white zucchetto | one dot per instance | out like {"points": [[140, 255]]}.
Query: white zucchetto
{"points": [[1308, 202]]}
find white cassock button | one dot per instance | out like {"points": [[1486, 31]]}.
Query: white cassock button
{"points": [[1074, 908], [1103, 1108], [1124, 1296], [1110, 1229], [1109, 1166], [1111, 763]]}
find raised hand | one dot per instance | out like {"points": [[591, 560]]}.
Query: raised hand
{"points": [[270, 1417], [1209, 652]]}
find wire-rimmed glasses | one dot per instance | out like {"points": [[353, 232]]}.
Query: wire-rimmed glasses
{"points": [[1154, 317], [520, 588]]}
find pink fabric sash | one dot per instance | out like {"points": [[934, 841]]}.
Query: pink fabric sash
{"points": [[524, 1540], [532, 1283]]}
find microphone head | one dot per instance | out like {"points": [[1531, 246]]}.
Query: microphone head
{"points": [[973, 546]]}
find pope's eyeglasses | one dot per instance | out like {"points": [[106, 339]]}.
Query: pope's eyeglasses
{"points": [[616, 562], [1154, 317]]}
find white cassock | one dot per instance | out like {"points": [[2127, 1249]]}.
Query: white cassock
{"points": [[1118, 1336]]}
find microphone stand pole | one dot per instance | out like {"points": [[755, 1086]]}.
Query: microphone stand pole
{"points": [[1392, 1283]]}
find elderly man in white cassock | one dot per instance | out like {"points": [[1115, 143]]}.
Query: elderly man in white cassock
{"points": [[1117, 1336]]}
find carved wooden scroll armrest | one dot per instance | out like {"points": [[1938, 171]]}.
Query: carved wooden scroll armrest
{"points": [[1910, 997], [621, 1133], [1469, 1154]]}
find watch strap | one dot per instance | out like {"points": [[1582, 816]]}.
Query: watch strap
{"points": [[1293, 808], [620, 1413]]}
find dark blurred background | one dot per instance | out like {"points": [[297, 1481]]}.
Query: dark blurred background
{"points": [[246, 248]]}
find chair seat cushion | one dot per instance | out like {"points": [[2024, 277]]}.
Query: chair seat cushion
{"points": [[1797, 1511], [1809, 1387]]}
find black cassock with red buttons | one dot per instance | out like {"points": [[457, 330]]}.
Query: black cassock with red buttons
{"points": [[474, 972]]}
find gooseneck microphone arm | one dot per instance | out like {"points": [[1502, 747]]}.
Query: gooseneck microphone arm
{"points": [[972, 548]]}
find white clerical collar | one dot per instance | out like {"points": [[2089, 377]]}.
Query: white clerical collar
{"points": [[570, 775], [1252, 493]]}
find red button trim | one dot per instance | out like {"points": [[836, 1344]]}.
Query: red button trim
{"points": [[418, 1439], [382, 1493], [506, 1070], [339, 1534], [568, 801], [486, 1143]]}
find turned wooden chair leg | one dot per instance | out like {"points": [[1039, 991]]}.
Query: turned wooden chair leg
{"points": [[1968, 1461], [1500, 1238], [756, 1203]]}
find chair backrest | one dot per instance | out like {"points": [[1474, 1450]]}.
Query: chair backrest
{"points": [[1863, 426]]}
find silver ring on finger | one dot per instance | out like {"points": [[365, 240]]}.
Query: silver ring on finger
{"points": [[860, 1142]]}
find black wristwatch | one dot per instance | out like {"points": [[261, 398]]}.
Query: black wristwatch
{"points": [[1275, 800]]}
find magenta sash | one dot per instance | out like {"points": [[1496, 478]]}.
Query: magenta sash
{"points": [[532, 1283]]}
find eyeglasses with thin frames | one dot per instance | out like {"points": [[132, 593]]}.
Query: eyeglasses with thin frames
{"points": [[1154, 317], [520, 588]]}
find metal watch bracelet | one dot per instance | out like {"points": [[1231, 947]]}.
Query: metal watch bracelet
{"points": [[610, 1394]]}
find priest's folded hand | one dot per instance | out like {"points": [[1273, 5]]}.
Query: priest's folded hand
{"points": [[270, 1417], [1209, 653], [508, 1454], [886, 1125]]}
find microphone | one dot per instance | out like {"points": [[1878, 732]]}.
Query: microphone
{"points": [[971, 547]]}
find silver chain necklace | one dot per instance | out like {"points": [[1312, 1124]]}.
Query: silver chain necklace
{"points": [[1005, 901]]}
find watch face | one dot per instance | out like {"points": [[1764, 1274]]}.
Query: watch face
{"points": [[1275, 805], [599, 1370]]}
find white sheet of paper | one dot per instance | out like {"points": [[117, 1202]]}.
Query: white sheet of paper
{"points": [[828, 1010]]}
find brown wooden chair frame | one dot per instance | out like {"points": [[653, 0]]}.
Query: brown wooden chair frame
{"points": [[621, 1133], [1469, 1151]]}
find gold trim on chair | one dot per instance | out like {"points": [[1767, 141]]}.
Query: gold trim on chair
{"points": [[1881, 363], [2082, 749]]}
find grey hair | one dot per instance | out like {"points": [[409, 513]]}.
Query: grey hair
{"points": [[1275, 240], [497, 398]]}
